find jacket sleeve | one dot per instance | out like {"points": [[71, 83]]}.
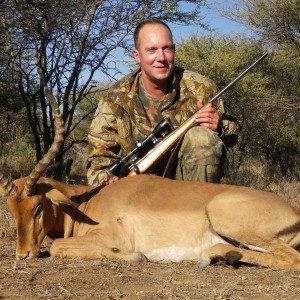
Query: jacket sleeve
{"points": [[104, 146]]}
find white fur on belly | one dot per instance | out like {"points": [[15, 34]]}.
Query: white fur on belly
{"points": [[175, 254], [178, 254]]}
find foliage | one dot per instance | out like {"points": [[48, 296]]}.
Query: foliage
{"points": [[218, 57], [17, 158], [277, 21], [12, 114], [65, 45], [265, 101]]}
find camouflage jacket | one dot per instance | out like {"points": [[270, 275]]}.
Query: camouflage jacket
{"points": [[121, 118]]}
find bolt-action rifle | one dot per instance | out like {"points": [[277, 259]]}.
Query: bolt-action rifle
{"points": [[123, 166], [161, 139]]}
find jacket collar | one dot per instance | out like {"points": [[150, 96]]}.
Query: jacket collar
{"points": [[129, 100]]}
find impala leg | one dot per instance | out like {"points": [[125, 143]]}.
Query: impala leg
{"points": [[279, 255], [89, 247]]}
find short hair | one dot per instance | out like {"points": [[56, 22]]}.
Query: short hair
{"points": [[146, 22]]}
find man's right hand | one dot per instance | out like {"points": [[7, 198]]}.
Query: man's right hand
{"points": [[111, 180]]}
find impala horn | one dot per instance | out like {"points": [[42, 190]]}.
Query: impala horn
{"points": [[43, 164]]}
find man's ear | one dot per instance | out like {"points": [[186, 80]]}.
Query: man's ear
{"points": [[136, 55]]}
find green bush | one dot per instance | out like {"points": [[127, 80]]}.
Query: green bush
{"points": [[17, 159]]}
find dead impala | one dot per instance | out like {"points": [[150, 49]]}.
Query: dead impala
{"points": [[149, 217]]}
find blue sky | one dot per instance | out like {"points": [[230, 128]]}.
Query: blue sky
{"points": [[214, 18]]}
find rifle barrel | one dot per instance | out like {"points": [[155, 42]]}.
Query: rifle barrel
{"points": [[228, 86]]}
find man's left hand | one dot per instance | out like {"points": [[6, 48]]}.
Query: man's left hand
{"points": [[207, 117]]}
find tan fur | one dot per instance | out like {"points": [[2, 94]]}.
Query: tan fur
{"points": [[159, 219]]}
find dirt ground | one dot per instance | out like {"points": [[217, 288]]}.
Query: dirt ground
{"points": [[49, 278]]}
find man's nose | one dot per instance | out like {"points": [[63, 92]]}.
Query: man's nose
{"points": [[161, 55]]}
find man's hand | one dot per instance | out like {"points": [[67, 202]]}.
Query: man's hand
{"points": [[111, 180], [207, 117]]}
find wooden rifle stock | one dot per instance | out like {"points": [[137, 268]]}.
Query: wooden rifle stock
{"points": [[162, 147], [169, 141]]}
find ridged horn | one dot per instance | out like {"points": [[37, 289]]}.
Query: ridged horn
{"points": [[44, 163], [7, 185]]}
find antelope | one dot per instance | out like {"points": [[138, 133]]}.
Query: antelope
{"points": [[150, 218]]}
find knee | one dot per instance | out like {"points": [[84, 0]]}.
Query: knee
{"points": [[200, 135], [203, 145], [200, 156]]}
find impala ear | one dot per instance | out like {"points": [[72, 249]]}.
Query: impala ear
{"points": [[58, 197], [54, 195]]}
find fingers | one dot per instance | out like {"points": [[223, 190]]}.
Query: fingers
{"points": [[208, 117], [111, 180]]}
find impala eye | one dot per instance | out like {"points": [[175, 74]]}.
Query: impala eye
{"points": [[38, 210]]}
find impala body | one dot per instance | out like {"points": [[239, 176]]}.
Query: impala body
{"points": [[148, 217]]}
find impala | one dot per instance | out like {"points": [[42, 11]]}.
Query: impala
{"points": [[145, 217]]}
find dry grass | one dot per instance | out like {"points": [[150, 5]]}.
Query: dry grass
{"points": [[290, 191]]}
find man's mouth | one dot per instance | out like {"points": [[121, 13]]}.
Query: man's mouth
{"points": [[161, 67]]}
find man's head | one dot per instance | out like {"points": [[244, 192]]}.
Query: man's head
{"points": [[148, 22], [154, 51]]}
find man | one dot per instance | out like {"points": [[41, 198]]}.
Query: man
{"points": [[130, 109]]}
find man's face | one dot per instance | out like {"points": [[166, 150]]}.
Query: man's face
{"points": [[155, 53]]}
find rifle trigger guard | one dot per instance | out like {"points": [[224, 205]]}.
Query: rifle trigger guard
{"points": [[136, 169]]}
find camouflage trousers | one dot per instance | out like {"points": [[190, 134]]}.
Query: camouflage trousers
{"points": [[200, 156]]}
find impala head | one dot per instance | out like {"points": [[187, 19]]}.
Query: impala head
{"points": [[28, 200], [31, 223]]}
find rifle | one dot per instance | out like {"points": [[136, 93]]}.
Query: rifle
{"points": [[133, 165], [120, 167]]}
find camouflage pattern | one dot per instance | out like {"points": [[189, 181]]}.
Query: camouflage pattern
{"points": [[200, 156], [125, 114]]}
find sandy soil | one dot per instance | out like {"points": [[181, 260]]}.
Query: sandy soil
{"points": [[49, 278]]}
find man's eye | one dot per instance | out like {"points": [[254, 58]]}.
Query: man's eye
{"points": [[169, 49], [151, 50]]}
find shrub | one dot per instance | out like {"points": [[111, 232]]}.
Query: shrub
{"points": [[17, 159]]}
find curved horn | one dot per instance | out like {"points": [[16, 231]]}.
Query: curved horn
{"points": [[8, 187], [44, 163]]}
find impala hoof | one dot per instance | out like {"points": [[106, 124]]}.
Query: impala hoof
{"points": [[203, 264]]}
